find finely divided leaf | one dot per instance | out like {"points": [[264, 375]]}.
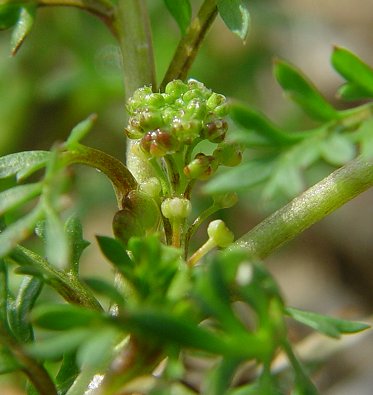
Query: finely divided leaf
{"points": [[23, 163], [81, 130], [329, 326], [353, 69], [337, 150], [17, 196], [236, 16], [181, 10], [303, 92]]}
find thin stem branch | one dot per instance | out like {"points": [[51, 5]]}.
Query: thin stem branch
{"points": [[36, 373], [314, 204], [189, 45], [121, 178]]}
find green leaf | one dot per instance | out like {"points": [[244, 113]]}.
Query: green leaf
{"points": [[106, 289], [17, 196], [240, 178], [57, 246], [19, 231], [236, 16], [181, 10], [74, 233], [56, 346], [63, 316], [303, 92], [22, 164], [353, 69], [81, 130], [97, 347], [337, 150], [115, 253], [351, 91], [329, 326], [253, 120], [28, 292], [9, 14], [23, 26]]}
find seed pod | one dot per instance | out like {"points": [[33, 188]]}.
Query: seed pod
{"points": [[126, 225], [219, 233], [228, 154], [201, 167], [215, 131], [144, 208]]}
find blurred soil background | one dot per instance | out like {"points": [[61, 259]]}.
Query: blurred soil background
{"points": [[69, 67]]}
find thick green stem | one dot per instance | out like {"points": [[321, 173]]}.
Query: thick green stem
{"points": [[189, 45], [134, 35], [314, 204]]}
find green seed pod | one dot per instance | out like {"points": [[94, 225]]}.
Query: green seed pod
{"points": [[176, 208], [201, 167], [215, 131], [126, 225], [226, 200], [220, 234], [228, 154], [144, 208]]}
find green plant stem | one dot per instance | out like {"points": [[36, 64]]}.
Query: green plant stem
{"points": [[121, 178], [36, 373], [189, 45], [314, 204], [134, 35]]}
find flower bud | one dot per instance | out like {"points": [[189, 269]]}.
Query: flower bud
{"points": [[228, 154], [134, 130], [186, 131], [150, 119], [201, 167], [175, 89], [219, 233], [215, 131], [176, 208], [196, 109], [215, 100], [154, 100], [158, 143]]}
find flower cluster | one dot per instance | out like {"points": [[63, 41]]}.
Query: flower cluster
{"points": [[166, 122], [170, 122]]}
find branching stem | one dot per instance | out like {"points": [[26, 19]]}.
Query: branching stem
{"points": [[314, 204], [188, 47]]}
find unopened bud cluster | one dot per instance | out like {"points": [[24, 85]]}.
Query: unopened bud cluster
{"points": [[186, 113]]}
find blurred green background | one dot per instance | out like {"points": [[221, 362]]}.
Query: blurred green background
{"points": [[69, 67]]}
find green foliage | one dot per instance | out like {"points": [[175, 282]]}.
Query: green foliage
{"points": [[166, 304], [235, 14]]}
